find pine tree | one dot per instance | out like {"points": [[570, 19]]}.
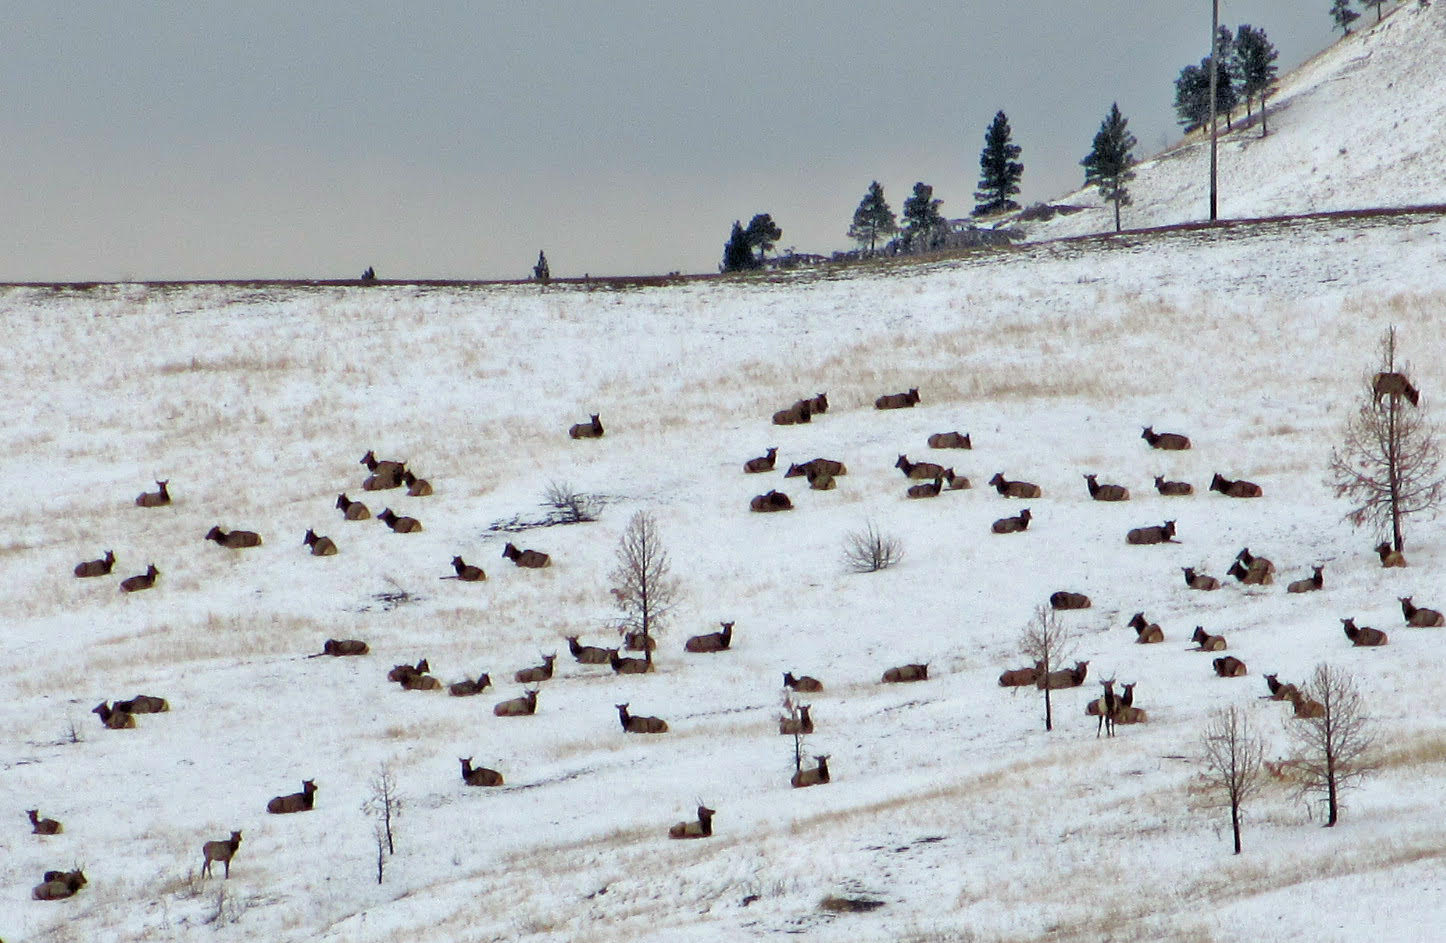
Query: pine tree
{"points": [[873, 219], [1255, 65], [540, 271], [762, 234], [1108, 163], [1227, 91], [1192, 94], [999, 172], [1343, 16], [923, 223], [737, 252]]}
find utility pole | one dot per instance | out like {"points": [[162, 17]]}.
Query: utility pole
{"points": [[1214, 77]]}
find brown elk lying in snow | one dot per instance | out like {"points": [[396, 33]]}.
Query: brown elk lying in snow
{"points": [[320, 546], [772, 501], [59, 885], [1229, 667], [466, 572], [592, 429], [764, 463], [634, 724], [394, 469], [1278, 690], [800, 411], [1305, 706], [699, 829], [1014, 489], [1170, 441], [421, 682], [711, 641], [1199, 580], [919, 471], [352, 510], [1161, 534], [950, 440], [402, 672], [236, 539], [927, 489], [517, 706], [416, 487], [1364, 636], [101, 567], [468, 688], [144, 704], [1012, 525], [905, 673], [1021, 677], [629, 666], [340, 647], [222, 851], [1419, 617], [538, 673], [399, 524], [1308, 585], [113, 719], [825, 466], [1205, 642], [1068, 600], [1146, 632], [802, 724], [1173, 489], [1101, 492], [1064, 678], [134, 584], [898, 400], [1239, 488], [812, 777], [821, 481], [533, 559], [303, 801], [1394, 384], [481, 776], [589, 654], [804, 683], [1252, 570], [154, 499], [39, 826], [1390, 557]]}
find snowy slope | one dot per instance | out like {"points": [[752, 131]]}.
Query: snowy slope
{"points": [[1362, 124]]}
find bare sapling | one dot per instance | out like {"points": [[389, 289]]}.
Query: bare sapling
{"points": [[1231, 755], [643, 584]]}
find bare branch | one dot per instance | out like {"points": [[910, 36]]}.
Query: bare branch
{"points": [[643, 584], [870, 550]]}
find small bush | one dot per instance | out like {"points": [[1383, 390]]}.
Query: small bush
{"points": [[870, 549], [573, 506]]}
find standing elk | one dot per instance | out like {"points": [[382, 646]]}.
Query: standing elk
{"points": [[339, 648], [592, 429], [950, 440], [905, 673], [1419, 617], [1101, 492], [416, 487], [320, 546], [1199, 580], [154, 499], [1014, 489], [468, 688], [351, 510], [772, 501], [1067, 600], [817, 776], [113, 719], [222, 851], [927, 489], [764, 463], [1012, 525], [517, 706], [1161, 534], [919, 471], [699, 829], [134, 584], [1021, 677], [303, 801], [466, 572], [797, 726], [1205, 642], [898, 400], [804, 683], [399, 525], [101, 567], [1173, 489], [1229, 667], [629, 666], [236, 539], [481, 776], [1104, 707], [1308, 585], [59, 885], [39, 826], [1363, 636], [1239, 488], [711, 641], [532, 559], [1169, 441], [589, 654], [1064, 678], [632, 724], [1390, 557], [538, 673], [1394, 384], [1146, 632]]}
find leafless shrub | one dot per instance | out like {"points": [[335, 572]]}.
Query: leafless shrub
{"points": [[1232, 755], [870, 550], [1049, 642], [643, 584], [1333, 750], [573, 506]]}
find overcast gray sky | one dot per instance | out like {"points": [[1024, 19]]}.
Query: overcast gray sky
{"points": [[171, 140]]}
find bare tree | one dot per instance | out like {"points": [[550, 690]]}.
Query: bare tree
{"points": [[1334, 749], [573, 506], [1233, 757], [384, 804], [1048, 641], [1389, 465], [643, 583], [870, 550]]}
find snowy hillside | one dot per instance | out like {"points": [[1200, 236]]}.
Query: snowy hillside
{"points": [[1362, 124], [949, 803]]}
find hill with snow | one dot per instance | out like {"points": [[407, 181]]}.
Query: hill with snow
{"points": [[1362, 124]]}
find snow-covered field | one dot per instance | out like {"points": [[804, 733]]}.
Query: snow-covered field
{"points": [[949, 801]]}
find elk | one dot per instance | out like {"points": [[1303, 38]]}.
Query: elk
{"points": [[920, 471], [1278, 691], [817, 776], [1205, 642], [1252, 570], [1305, 707], [799, 412], [956, 482], [772, 501], [1104, 707], [236, 539], [1126, 712], [589, 654], [113, 719], [1229, 667], [633, 724], [468, 687], [1173, 489], [898, 400], [1394, 384], [1146, 632], [1169, 441], [134, 584], [1308, 585], [342, 647], [1239, 488], [222, 851], [950, 440], [101, 567], [803, 683], [711, 641], [827, 466], [1161, 534], [1419, 617], [1199, 580], [416, 487], [1390, 557], [399, 525], [636, 641], [59, 885], [1067, 600], [592, 429], [538, 673], [629, 666], [303, 801], [39, 826], [763, 463], [905, 673], [532, 559], [393, 469], [466, 572], [1064, 678], [154, 499], [819, 404], [1101, 492], [1364, 636], [1014, 489], [401, 672], [320, 546], [352, 510], [481, 776], [1012, 525], [380, 482], [421, 682], [821, 481], [699, 829], [517, 706], [927, 489], [144, 704], [802, 724], [1021, 677]]}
